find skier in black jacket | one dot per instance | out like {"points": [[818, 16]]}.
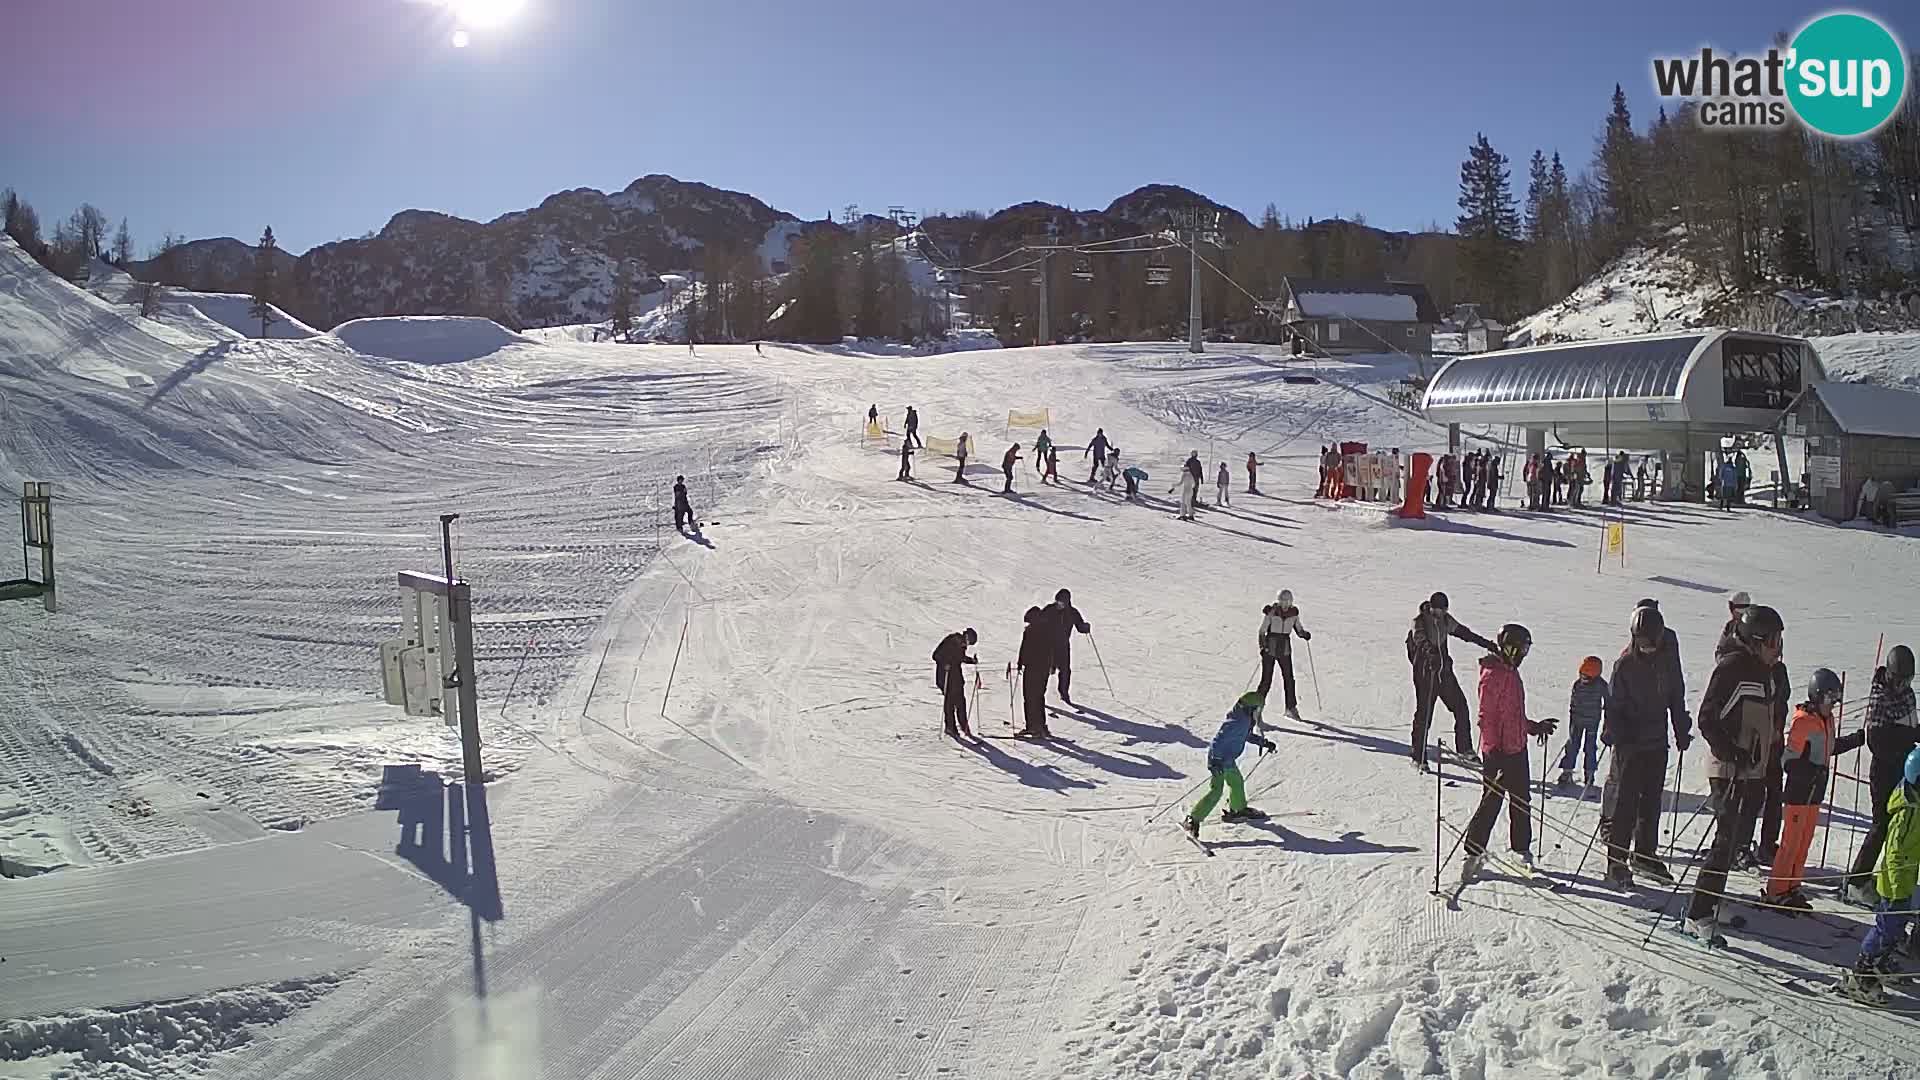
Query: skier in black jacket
{"points": [[1098, 448], [1433, 678], [1064, 619], [1892, 730], [947, 658], [682, 509], [1036, 660], [1639, 713]]}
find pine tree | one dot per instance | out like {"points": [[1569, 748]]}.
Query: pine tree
{"points": [[622, 304], [1795, 252], [263, 281], [122, 246], [1489, 227], [1618, 169]]}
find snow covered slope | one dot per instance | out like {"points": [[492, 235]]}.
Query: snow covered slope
{"points": [[427, 339], [728, 839]]}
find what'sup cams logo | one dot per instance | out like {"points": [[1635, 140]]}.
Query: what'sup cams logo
{"points": [[1843, 75]]}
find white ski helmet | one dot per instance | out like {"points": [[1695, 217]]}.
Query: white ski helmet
{"points": [[1285, 599]]}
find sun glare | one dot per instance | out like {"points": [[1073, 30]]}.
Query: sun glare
{"points": [[461, 39], [481, 14]]}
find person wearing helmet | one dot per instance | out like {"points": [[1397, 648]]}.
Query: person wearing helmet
{"points": [[1241, 727], [1737, 720], [1641, 709], [947, 658], [1766, 810], [1433, 678], [1586, 706], [1504, 730], [1280, 622], [1065, 620], [1810, 748], [1036, 660], [1895, 873], [1892, 732]]}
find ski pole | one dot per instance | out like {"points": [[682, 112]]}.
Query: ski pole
{"points": [[1317, 703], [1542, 834], [1833, 766], [1598, 826], [1182, 799], [975, 710], [1096, 659], [1853, 838], [1439, 781], [1673, 815], [1013, 677]]}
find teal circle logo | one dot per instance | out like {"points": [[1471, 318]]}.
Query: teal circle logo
{"points": [[1846, 75]]}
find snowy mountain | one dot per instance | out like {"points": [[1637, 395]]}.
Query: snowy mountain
{"points": [[220, 264]]}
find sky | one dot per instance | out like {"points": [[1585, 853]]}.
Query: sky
{"points": [[323, 118]]}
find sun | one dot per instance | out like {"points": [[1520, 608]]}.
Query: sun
{"points": [[481, 14]]}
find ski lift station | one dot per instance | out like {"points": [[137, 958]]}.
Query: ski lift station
{"points": [[1676, 394]]}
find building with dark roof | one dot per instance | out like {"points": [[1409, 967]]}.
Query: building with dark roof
{"points": [[1358, 316], [1855, 437]]}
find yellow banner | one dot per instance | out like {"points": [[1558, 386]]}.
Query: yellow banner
{"points": [[943, 447], [875, 431], [1034, 419], [1616, 538]]}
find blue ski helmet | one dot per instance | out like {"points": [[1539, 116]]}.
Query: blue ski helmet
{"points": [[1913, 766]]}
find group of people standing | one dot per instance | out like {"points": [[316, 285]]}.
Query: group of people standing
{"points": [[1046, 650], [1471, 482]]}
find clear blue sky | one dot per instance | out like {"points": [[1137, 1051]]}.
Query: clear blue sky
{"points": [[324, 117]]}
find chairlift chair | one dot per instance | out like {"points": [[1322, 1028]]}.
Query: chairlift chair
{"points": [[1158, 274], [1083, 269]]}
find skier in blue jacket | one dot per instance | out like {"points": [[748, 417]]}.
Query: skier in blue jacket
{"points": [[1235, 734]]}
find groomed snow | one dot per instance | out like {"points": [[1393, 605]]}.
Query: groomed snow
{"points": [[727, 838], [427, 339]]}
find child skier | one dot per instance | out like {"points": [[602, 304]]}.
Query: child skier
{"points": [[1222, 479], [1235, 734], [1504, 729], [1135, 476], [1053, 463], [1281, 622], [1810, 748], [1586, 704], [962, 450], [1894, 879], [1253, 474], [1892, 731]]}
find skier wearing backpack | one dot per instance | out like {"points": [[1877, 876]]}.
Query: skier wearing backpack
{"points": [[1892, 731], [947, 658], [1640, 710], [1433, 678], [1810, 750], [1504, 730], [1279, 623], [1040, 447], [1736, 719], [1586, 707], [1895, 875], [1240, 728]]}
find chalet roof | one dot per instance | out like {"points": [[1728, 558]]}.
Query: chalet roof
{"points": [[1867, 409], [1323, 297]]}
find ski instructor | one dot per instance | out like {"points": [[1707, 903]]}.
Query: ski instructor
{"points": [[1065, 620], [1433, 677]]}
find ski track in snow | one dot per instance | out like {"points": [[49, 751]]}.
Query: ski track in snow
{"points": [[730, 841]]}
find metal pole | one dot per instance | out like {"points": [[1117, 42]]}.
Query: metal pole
{"points": [[1194, 343], [1833, 770], [461, 678], [1045, 335], [1439, 782], [1318, 703]]}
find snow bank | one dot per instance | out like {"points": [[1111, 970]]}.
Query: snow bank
{"points": [[156, 1039], [427, 339], [235, 312]]}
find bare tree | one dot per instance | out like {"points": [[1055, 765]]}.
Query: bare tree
{"points": [[122, 246]]}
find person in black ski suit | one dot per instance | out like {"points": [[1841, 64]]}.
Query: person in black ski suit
{"points": [[947, 658], [1433, 678], [682, 509], [1036, 660], [1737, 720], [1098, 448], [1766, 806], [873, 415], [1893, 730], [1065, 619], [913, 428], [906, 461], [1639, 712]]}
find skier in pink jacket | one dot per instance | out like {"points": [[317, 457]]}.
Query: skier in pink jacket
{"points": [[1504, 730]]}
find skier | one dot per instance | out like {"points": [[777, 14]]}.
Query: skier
{"points": [[1767, 802], [1894, 879], [961, 451], [1112, 467], [1232, 739], [1188, 486], [1040, 447], [1742, 476], [1892, 731], [1253, 474], [1727, 478], [1053, 464], [913, 428], [1811, 747], [1280, 623], [1493, 484], [1641, 706], [906, 461], [1320, 491], [1640, 483], [1531, 474], [1557, 478], [682, 509], [1736, 719], [947, 676], [1006, 467], [873, 416], [1504, 729], [1586, 708], [1066, 619], [1098, 448], [1221, 479], [1433, 677], [1036, 659], [1135, 476]]}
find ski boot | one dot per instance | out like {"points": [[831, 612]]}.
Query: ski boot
{"points": [[1861, 894], [1745, 859], [1765, 854], [1707, 932], [1653, 868], [1525, 859], [1471, 866], [1467, 754], [1864, 983], [1293, 712], [1253, 813], [1618, 875], [1589, 784], [1192, 827], [1565, 783], [1789, 903]]}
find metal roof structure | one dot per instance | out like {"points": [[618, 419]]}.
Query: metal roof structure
{"points": [[1639, 368]]}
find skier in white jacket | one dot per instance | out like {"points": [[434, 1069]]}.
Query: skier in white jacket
{"points": [[1278, 626], [1188, 487]]}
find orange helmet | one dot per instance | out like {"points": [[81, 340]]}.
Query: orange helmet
{"points": [[1590, 667]]}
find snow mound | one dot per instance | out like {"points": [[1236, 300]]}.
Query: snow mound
{"points": [[428, 339], [148, 1038], [51, 324], [235, 312]]}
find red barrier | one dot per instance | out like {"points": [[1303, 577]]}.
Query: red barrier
{"points": [[1416, 504]]}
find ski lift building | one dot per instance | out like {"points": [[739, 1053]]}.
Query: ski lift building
{"points": [[1359, 316], [1674, 393]]}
